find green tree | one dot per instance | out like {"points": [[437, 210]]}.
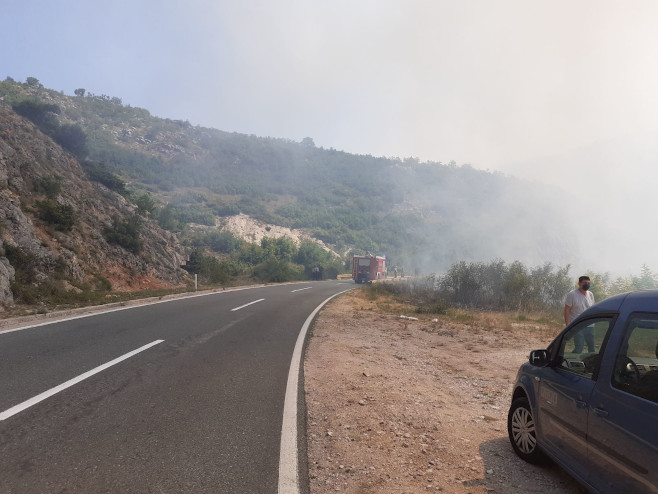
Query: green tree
{"points": [[223, 242], [516, 285], [98, 172], [646, 280], [145, 203], [42, 114], [72, 138], [279, 248], [49, 186], [276, 271], [125, 233], [167, 219], [207, 267], [61, 216]]}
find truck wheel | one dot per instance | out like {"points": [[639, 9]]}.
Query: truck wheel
{"points": [[522, 433]]}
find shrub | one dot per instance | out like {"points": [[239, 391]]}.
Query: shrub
{"points": [[276, 271], [72, 138], [38, 112], [103, 284], [145, 203], [223, 241], [49, 186], [208, 268], [60, 216], [98, 172], [125, 234], [24, 264]]}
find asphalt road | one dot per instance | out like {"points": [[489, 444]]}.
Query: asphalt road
{"points": [[196, 408]]}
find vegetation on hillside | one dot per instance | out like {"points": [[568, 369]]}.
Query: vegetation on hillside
{"points": [[220, 257], [424, 216]]}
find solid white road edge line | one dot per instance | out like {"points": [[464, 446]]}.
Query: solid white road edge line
{"points": [[47, 394], [247, 305], [288, 458]]}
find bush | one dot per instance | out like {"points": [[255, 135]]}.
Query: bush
{"points": [[103, 284], [276, 271], [24, 264], [145, 203], [36, 111], [223, 242], [125, 234], [98, 172], [72, 138], [49, 186], [60, 216], [208, 268], [499, 286]]}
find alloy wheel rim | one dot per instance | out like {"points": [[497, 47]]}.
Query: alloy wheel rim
{"points": [[523, 430]]}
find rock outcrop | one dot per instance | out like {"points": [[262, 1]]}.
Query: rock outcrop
{"points": [[80, 254]]}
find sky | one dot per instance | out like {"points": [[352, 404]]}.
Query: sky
{"points": [[553, 91]]}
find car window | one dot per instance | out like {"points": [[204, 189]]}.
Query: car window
{"points": [[580, 346], [636, 365]]}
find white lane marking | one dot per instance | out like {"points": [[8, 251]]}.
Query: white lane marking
{"points": [[247, 305], [301, 289], [47, 394], [288, 459]]}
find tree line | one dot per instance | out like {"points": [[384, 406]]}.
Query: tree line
{"points": [[499, 286], [219, 257]]}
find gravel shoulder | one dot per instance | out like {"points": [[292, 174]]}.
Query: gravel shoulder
{"points": [[402, 406]]}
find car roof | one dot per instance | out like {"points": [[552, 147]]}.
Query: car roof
{"points": [[638, 301]]}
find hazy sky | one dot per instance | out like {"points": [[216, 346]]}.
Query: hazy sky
{"points": [[563, 92]]}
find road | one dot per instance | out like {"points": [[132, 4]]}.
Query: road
{"points": [[182, 396]]}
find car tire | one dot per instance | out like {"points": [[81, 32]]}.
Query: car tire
{"points": [[522, 433]]}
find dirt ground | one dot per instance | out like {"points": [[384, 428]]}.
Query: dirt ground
{"points": [[402, 406]]}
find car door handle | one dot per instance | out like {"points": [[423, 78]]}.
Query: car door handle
{"points": [[601, 412], [581, 404]]}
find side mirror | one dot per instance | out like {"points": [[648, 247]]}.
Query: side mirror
{"points": [[539, 358]]}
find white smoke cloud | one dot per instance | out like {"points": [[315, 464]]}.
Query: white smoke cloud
{"points": [[559, 92]]}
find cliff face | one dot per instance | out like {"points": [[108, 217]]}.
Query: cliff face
{"points": [[78, 255]]}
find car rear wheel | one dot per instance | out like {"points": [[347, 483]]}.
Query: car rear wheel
{"points": [[522, 433]]}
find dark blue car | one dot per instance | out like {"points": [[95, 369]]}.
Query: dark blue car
{"points": [[595, 411]]}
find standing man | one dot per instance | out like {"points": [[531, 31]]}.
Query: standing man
{"points": [[576, 302]]}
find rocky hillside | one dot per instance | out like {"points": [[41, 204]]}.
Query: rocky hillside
{"points": [[425, 215], [180, 184], [56, 225]]}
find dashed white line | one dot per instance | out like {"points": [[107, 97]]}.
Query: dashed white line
{"points": [[301, 289], [247, 305], [47, 394]]}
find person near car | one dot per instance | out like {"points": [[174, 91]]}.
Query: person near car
{"points": [[576, 302]]}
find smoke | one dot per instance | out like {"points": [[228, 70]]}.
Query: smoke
{"points": [[609, 204], [500, 85]]}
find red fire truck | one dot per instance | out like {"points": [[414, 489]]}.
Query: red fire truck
{"points": [[368, 268]]}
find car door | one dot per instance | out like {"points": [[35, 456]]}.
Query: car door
{"points": [[623, 425], [565, 391]]}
